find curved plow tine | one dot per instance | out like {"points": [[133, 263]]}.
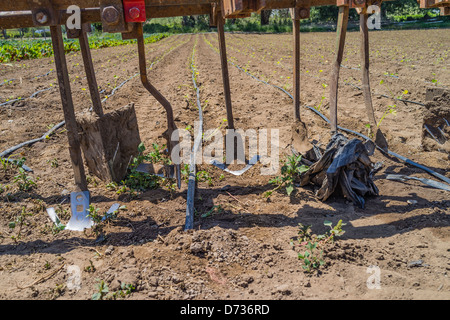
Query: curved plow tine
{"points": [[171, 127]]}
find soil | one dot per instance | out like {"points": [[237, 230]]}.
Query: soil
{"points": [[240, 247]]}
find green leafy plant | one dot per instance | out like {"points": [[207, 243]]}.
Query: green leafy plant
{"points": [[18, 222], [391, 109], [312, 257], [290, 171], [314, 245], [335, 231], [322, 98], [24, 182], [102, 291], [214, 210]]}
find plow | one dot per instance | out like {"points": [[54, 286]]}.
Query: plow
{"points": [[110, 140]]}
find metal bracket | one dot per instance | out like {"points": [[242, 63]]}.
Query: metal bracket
{"points": [[113, 17], [352, 3], [75, 33], [43, 13], [134, 10]]}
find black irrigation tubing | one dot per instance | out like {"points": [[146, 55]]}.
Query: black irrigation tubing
{"points": [[391, 153], [30, 97], [30, 142], [198, 140]]}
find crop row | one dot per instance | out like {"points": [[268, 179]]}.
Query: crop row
{"points": [[33, 49]]}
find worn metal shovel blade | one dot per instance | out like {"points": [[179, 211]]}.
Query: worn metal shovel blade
{"points": [[79, 203], [300, 141], [157, 170], [380, 140], [223, 166]]}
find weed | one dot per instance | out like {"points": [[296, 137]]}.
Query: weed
{"points": [[201, 176], [312, 258], [104, 293]]}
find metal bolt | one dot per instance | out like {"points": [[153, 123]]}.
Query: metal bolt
{"points": [[304, 13], [134, 13], [110, 15], [41, 17]]}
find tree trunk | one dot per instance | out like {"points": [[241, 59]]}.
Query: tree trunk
{"points": [[265, 17]]}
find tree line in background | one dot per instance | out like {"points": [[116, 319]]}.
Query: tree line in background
{"points": [[267, 21]]}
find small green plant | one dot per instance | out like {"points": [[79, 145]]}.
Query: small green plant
{"points": [[18, 222], [335, 231], [90, 268], [140, 181], [322, 98], [24, 182], [290, 171], [214, 210], [102, 291], [314, 245], [391, 109], [53, 163], [200, 176], [312, 258]]}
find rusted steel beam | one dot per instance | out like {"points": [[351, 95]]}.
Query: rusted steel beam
{"points": [[23, 5], [225, 74], [296, 55], [12, 20], [334, 84], [380, 139], [68, 108], [171, 126], [90, 73]]}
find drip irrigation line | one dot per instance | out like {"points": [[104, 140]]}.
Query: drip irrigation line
{"points": [[391, 153], [7, 81], [30, 97], [197, 142], [30, 142]]}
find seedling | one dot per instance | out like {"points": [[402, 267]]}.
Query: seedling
{"points": [[312, 257], [212, 211], [102, 291], [19, 221], [290, 171], [391, 109], [24, 182], [322, 98]]}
